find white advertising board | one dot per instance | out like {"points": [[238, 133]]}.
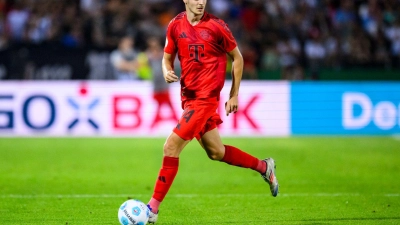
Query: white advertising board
{"points": [[127, 109]]}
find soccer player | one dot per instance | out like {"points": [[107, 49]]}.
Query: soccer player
{"points": [[202, 43]]}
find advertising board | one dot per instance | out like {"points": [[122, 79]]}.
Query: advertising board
{"points": [[116, 109], [370, 108]]}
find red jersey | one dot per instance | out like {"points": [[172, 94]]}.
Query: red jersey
{"points": [[201, 50]]}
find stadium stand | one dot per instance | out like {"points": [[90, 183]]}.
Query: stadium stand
{"points": [[280, 39]]}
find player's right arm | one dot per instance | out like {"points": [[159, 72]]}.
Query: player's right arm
{"points": [[168, 68], [170, 50]]}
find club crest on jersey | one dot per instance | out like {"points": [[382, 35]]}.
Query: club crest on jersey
{"points": [[205, 34]]}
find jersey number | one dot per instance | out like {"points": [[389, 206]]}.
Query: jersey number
{"points": [[187, 114]]}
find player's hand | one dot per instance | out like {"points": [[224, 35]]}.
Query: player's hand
{"points": [[171, 77], [231, 106]]}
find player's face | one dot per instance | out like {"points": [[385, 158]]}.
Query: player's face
{"points": [[197, 7]]}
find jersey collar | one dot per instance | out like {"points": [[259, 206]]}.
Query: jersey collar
{"points": [[201, 20]]}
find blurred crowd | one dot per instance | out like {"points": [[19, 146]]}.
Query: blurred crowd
{"points": [[291, 36]]}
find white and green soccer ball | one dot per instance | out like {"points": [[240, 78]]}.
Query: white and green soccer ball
{"points": [[133, 212]]}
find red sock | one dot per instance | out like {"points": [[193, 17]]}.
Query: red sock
{"points": [[166, 176], [236, 157]]}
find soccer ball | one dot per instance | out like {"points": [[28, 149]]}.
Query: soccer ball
{"points": [[133, 212]]}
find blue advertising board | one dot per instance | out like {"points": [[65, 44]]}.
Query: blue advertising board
{"points": [[370, 108]]}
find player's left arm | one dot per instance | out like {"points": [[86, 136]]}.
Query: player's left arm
{"points": [[237, 70]]}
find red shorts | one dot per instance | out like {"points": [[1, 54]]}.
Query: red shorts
{"points": [[199, 117]]}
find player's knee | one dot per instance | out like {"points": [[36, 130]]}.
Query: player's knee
{"points": [[170, 150], [215, 155]]}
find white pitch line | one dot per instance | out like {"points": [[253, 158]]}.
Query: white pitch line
{"points": [[70, 196], [392, 195]]}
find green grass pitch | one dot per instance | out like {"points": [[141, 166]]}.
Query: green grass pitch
{"points": [[323, 180]]}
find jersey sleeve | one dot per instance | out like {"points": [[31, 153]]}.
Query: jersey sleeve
{"points": [[170, 45], [228, 41]]}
